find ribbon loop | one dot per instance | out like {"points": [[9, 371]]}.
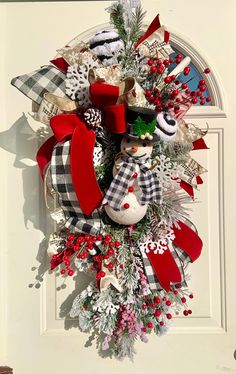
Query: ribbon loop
{"points": [[165, 265], [104, 97]]}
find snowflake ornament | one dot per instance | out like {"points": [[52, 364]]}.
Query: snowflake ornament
{"points": [[160, 244], [167, 172], [77, 82]]}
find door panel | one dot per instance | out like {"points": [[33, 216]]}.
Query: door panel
{"points": [[35, 336]]}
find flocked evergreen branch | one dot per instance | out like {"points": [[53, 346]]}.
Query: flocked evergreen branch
{"points": [[136, 24], [117, 20]]}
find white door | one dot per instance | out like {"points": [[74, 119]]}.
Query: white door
{"points": [[34, 336]]}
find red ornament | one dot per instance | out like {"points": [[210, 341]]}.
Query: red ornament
{"points": [[150, 325], [194, 100], [207, 71], [117, 244], [203, 88], [175, 92], [202, 102], [185, 312], [144, 329], [184, 86], [202, 82], [161, 323], [71, 237], [183, 299], [166, 62], [191, 296], [110, 266], [167, 80], [131, 189], [126, 206], [160, 69], [171, 60], [148, 93], [168, 303], [110, 252], [153, 69], [189, 311], [187, 70], [169, 316], [135, 175], [63, 271], [157, 313], [144, 306], [157, 300], [71, 272], [208, 99], [150, 62], [170, 104]]}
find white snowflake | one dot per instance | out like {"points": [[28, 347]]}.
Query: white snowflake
{"points": [[160, 244], [77, 83], [73, 57], [167, 172]]}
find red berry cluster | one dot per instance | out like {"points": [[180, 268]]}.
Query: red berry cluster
{"points": [[157, 308], [81, 246], [168, 93], [183, 299]]}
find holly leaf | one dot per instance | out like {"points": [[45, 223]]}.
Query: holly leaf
{"points": [[141, 128]]}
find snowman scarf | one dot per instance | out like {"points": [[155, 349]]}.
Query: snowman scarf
{"points": [[147, 181]]}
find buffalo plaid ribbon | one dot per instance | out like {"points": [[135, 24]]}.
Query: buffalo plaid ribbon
{"points": [[35, 84], [76, 220], [181, 258], [148, 182]]}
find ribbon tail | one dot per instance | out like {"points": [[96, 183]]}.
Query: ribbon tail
{"points": [[82, 169], [188, 241], [199, 144], [151, 29], [165, 268], [44, 154], [187, 188]]}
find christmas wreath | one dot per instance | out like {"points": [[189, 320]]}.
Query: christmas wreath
{"points": [[118, 165]]}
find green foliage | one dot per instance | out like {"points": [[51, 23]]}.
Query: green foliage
{"points": [[141, 128], [136, 24], [117, 20]]}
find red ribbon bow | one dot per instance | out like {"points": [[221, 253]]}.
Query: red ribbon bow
{"points": [[66, 126], [164, 265]]}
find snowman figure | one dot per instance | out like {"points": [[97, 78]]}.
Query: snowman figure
{"points": [[134, 185]]}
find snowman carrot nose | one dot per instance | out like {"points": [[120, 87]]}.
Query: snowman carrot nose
{"points": [[134, 149]]}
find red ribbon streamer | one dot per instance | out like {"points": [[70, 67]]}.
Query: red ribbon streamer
{"points": [[155, 25], [164, 265], [70, 126]]}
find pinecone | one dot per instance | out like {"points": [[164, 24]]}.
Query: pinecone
{"points": [[93, 117]]}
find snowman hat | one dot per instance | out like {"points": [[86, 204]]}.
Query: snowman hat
{"points": [[141, 123]]}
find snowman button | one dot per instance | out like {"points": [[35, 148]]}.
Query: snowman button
{"points": [[131, 189], [126, 206], [135, 175]]}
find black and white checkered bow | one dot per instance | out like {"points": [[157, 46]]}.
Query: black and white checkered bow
{"points": [[148, 183]]}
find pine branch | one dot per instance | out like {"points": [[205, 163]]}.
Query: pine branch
{"points": [[136, 24], [117, 20]]}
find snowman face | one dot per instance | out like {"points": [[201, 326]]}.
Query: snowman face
{"points": [[137, 148]]}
